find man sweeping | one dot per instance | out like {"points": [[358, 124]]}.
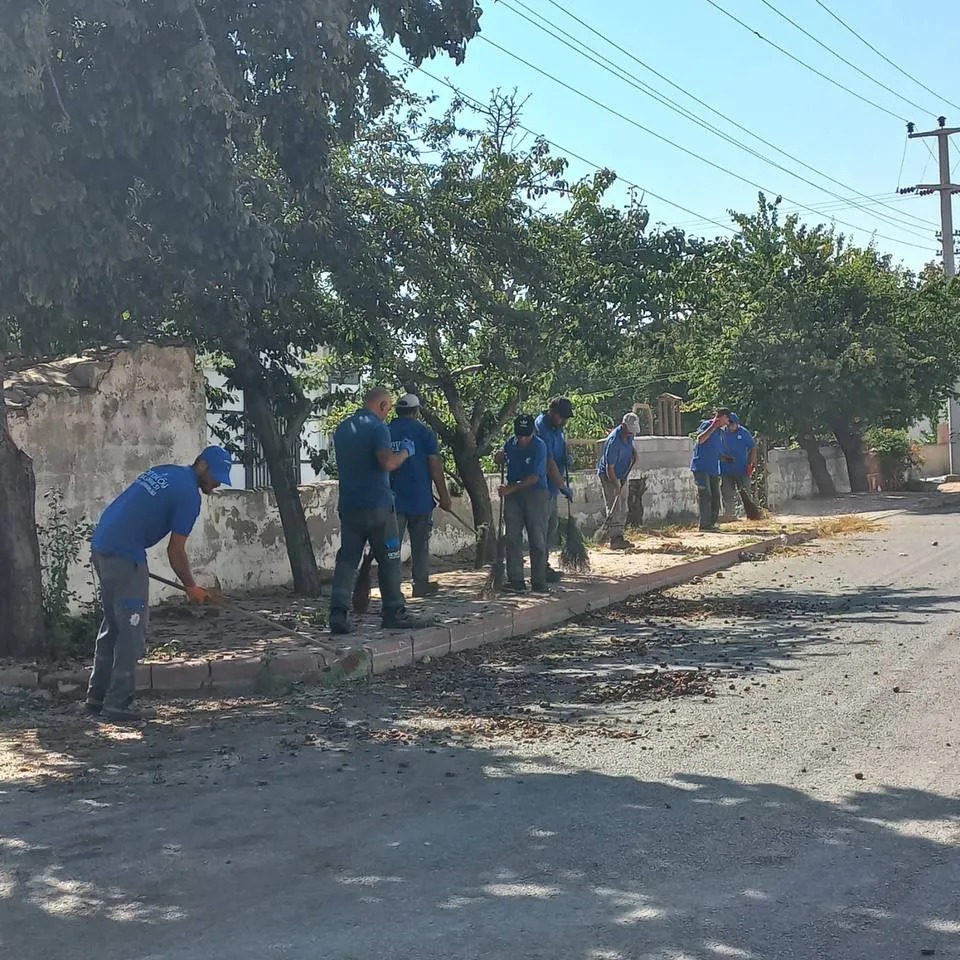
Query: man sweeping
{"points": [[705, 466], [617, 460], [526, 500], [163, 501], [365, 459], [738, 461], [550, 429], [413, 483]]}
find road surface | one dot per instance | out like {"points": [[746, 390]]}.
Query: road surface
{"points": [[798, 797]]}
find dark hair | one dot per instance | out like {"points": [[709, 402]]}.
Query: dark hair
{"points": [[723, 411], [561, 406], [406, 411]]}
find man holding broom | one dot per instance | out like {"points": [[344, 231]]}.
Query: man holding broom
{"points": [[413, 483], [365, 460], [526, 500], [550, 426], [616, 462], [738, 461]]}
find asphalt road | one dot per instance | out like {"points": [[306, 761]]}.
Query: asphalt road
{"points": [[799, 798]]}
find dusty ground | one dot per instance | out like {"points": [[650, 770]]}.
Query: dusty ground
{"points": [[763, 765]]}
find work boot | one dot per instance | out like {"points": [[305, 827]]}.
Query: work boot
{"points": [[553, 576], [427, 589], [127, 715], [404, 620], [514, 586], [619, 543], [93, 707], [340, 623]]}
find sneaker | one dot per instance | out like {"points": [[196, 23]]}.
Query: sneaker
{"points": [[553, 576], [93, 707], [619, 543], [514, 587], [404, 620], [340, 624], [713, 528], [425, 589], [540, 588]]}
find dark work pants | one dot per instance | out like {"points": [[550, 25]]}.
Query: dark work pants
{"points": [[121, 642], [378, 527], [708, 498], [732, 486], [527, 510], [420, 526]]}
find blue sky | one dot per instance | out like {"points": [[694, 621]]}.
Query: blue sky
{"points": [[694, 45]]}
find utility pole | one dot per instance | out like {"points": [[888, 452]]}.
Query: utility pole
{"points": [[946, 189]]}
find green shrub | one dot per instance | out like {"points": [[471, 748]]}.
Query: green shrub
{"points": [[896, 455]]}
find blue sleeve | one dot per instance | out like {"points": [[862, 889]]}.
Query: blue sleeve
{"points": [[607, 448], [750, 443], [185, 514], [430, 442], [381, 437], [539, 464]]}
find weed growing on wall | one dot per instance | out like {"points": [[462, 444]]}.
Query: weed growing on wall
{"points": [[62, 541]]}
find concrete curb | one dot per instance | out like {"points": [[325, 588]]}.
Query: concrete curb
{"points": [[401, 650]]}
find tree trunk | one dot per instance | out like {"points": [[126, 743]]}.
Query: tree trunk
{"points": [[22, 632], [851, 443], [303, 561], [475, 483], [818, 467]]}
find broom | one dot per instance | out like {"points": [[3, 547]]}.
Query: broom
{"points": [[574, 556], [497, 576], [361, 588], [752, 511]]}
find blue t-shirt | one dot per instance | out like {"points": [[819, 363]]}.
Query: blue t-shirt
{"points": [[617, 453], [556, 443], [412, 483], [522, 461], [161, 501], [364, 484], [706, 456], [737, 445]]}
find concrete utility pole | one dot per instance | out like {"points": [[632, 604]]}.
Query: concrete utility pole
{"points": [[946, 189]]}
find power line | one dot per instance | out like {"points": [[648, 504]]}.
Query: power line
{"points": [[883, 56], [596, 166], [843, 59], [899, 222], [804, 64], [680, 147]]}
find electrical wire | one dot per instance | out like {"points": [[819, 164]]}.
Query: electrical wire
{"points": [[883, 56], [804, 64], [680, 147], [636, 186], [900, 222], [843, 59]]}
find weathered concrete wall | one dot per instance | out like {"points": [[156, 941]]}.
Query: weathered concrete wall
{"points": [[790, 477], [93, 423]]}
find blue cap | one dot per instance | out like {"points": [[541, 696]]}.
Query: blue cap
{"points": [[218, 462]]}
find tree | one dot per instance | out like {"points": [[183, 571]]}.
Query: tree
{"points": [[125, 167], [485, 271], [810, 337]]}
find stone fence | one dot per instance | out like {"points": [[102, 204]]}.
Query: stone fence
{"points": [[93, 423]]}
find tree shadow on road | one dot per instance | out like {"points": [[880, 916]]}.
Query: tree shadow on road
{"points": [[469, 853]]}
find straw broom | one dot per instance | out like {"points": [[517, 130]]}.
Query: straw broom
{"points": [[497, 576], [574, 557], [361, 587]]}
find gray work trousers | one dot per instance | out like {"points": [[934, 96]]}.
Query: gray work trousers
{"points": [[553, 525], [617, 505], [708, 498], [732, 486], [122, 640], [527, 510], [378, 527], [420, 526]]}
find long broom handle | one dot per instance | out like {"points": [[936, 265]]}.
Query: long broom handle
{"points": [[613, 506]]}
